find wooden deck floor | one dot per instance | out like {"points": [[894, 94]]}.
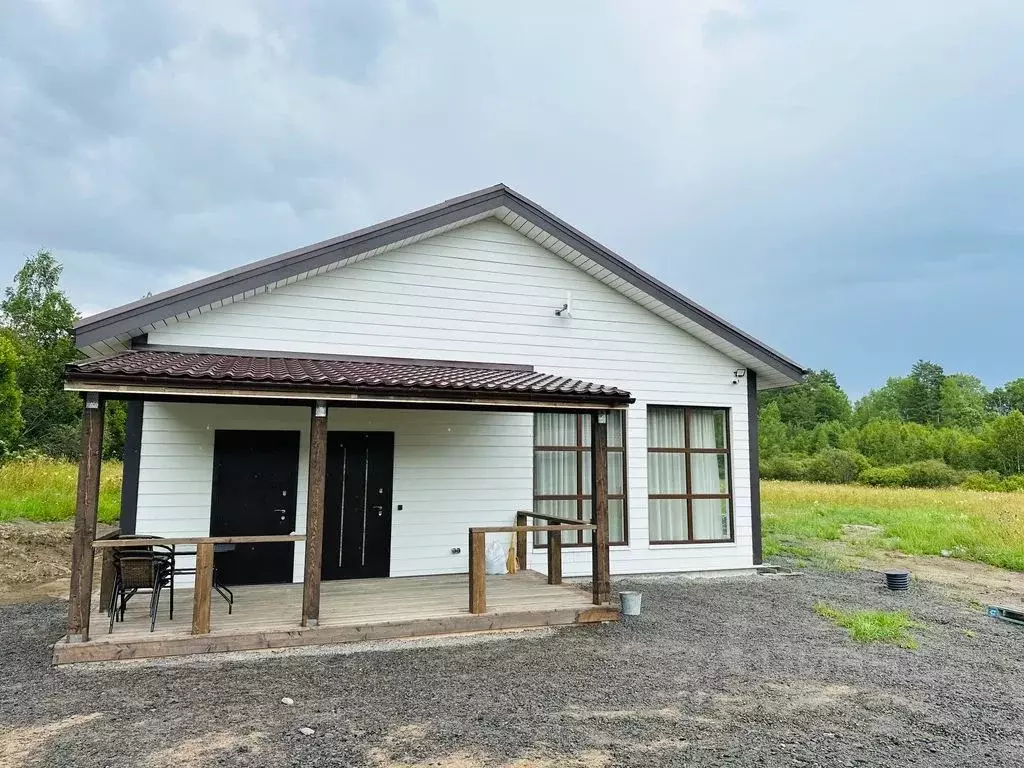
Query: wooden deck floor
{"points": [[267, 616]]}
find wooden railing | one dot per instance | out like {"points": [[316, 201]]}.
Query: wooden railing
{"points": [[478, 546], [204, 564], [523, 519]]}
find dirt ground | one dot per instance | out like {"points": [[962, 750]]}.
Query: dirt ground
{"points": [[978, 583], [737, 672], [35, 560]]}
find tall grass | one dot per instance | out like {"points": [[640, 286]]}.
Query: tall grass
{"points": [[972, 525], [44, 490]]}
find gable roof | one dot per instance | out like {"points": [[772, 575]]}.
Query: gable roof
{"points": [[111, 331]]}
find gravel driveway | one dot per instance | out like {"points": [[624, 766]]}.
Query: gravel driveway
{"points": [[727, 672]]}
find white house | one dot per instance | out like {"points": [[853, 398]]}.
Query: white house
{"points": [[461, 354]]}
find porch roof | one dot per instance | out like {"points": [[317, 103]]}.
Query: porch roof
{"points": [[276, 376]]}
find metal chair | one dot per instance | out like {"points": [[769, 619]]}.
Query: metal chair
{"points": [[220, 588], [166, 549], [139, 570]]}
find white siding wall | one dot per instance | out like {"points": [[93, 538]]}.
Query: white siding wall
{"points": [[483, 293], [452, 469]]}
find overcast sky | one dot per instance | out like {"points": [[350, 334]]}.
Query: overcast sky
{"points": [[844, 180]]}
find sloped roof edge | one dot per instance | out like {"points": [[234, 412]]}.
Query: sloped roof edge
{"points": [[161, 306], [107, 324]]}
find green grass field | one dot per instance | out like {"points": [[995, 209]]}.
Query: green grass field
{"points": [[43, 490], [971, 525]]}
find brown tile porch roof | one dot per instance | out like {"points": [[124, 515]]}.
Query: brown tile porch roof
{"points": [[389, 376]]}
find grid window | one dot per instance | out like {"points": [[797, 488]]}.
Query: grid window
{"points": [[562, 484], [689, 487]]}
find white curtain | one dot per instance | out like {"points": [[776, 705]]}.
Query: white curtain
{"points": [[666, 473], [554, 429], [555, 472], [665, 427], [710, 516], [667, 518], [616, 520]]}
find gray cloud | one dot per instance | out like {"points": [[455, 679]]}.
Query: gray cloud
{"points": [[841, 179]]}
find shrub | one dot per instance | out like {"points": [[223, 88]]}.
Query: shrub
{"points": [[991, 480], [1013, 483], [835, 465], [11, 422], [887, 477], [784, 468], [931, 473]]}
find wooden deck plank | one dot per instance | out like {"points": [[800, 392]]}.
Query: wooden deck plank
{"points": [[269, 616]]}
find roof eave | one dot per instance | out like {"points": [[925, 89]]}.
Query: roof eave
{"points": [[122, 385]]}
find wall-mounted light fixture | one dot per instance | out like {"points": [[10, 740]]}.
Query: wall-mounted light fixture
{"points": [[738, 374], [566, 309]]}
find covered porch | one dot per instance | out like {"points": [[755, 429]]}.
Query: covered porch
{"points": [[269, 616], [325, 605]]}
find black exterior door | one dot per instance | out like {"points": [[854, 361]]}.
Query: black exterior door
{"points": [[357, 505], [255, 476]]}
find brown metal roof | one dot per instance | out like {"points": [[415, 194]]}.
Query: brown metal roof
{"points": [[209, 369]]}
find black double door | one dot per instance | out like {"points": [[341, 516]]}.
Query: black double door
{"points": [[357, 505], [255, 477]]}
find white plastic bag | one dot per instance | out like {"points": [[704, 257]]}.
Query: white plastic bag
{"points": [[495, 559]]}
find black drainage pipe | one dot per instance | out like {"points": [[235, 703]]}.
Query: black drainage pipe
{"points": [[898, 581]]}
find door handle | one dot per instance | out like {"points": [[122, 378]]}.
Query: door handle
{"points": [[282, 512], [379, 510]]}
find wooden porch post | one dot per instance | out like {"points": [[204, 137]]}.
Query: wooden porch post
{"points": [[203, 589], [477, 572], [86, 505], [599, 473], [315, 515], [521, 519], [554, 557]]}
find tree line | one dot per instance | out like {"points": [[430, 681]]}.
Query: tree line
{"points": [[928, 428], [37, 417]]}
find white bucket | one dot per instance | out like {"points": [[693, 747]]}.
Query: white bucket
{"points": [[630, 603]]}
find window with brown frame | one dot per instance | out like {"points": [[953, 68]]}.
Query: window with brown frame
{"points": [[562, 473], [689, 486]]}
